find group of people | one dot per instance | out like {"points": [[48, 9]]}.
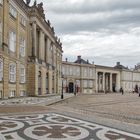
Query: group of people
{"points": [[122, 91]]}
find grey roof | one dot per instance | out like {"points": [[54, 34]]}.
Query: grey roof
{"points": [[81, 61]]}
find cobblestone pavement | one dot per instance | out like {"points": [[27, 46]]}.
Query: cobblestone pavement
{"points": [[114, 106], [52, 126], [118, 116], [33, 100]]}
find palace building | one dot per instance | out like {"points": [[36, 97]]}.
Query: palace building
{"points": [[31, 59], [83, 77], [30, 52]]}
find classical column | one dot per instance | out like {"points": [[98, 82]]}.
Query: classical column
{"points": [[96, 80], [45, 48], [111, 82], [103, 78], [118, 82], [34, 51], [50, 81], [48, 51], [42, 46]]}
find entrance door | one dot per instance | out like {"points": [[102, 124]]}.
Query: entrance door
{"points": [[71, 88]]}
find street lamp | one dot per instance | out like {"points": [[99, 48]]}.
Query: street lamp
{"points": [[75, 88], [62, 95]]}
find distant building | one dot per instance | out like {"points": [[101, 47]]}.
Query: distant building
{"points": [[90, 78], [78, 76]]}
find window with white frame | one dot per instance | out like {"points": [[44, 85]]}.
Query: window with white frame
{"points": [[22, 46], [0, 94], [12, 93], [1, 69], [12, 11], [1, 2], [12, 72], [12, 41], [0, 34], [22, 20], [22, 93], [22, 74]]}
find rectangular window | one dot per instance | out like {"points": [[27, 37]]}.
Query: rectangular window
{"points": [[22, 93], [12, 11], [0, 94], [12, 41], [22, 46], [12, 93], [1, 70], [22, 74], [22, 20], [0, 34], [12, 73], [1, 2]]}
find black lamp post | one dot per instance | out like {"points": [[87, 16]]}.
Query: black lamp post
{"points": [[62, 95]]}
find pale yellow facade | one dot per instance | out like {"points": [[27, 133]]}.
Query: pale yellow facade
{"points": [[30, 52], [12, 57]]}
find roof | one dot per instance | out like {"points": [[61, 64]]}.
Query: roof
{"points": [[81, 61]]}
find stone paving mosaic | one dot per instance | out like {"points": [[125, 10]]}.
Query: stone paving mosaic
{"points": [[31, 100], [53, 126]]}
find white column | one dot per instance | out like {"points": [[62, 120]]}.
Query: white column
{"points": [[96, 80], [111, 82], [103, 81], [118, 83], [41, 45], [34, 51]]}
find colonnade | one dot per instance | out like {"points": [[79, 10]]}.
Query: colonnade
{"points": [[107, 82]]}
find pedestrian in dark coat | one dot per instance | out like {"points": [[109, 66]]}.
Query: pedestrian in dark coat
{"points": [[121, 90], [139, 91]]}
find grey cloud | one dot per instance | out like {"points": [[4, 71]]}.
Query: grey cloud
{"points": [[94, 15], [93, 6], [97, 20]]}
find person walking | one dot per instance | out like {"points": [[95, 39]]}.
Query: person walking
{"points": [[121, 90], [139, 91]]}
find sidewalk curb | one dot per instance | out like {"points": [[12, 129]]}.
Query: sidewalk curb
{"points": [[60, 100]]}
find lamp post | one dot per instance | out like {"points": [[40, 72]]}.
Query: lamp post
{"points": [[75, 88], [62, 95]]}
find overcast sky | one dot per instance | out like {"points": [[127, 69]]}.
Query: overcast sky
{"points": [[103, 31]]}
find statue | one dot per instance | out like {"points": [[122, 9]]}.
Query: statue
{"points": [[35, 3], [40, 7], [28, 2]]}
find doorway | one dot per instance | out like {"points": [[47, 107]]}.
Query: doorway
{"points": [[71, 87]]}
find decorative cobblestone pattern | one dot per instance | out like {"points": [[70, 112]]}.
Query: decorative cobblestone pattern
{"points": [[53, 126]]}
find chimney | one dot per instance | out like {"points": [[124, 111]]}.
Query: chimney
{"points": [[79, 57], [118, 63], [66, 59]]}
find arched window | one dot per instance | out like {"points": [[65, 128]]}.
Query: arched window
{"points": [[12, 72], [22, 74], [1, 69]]}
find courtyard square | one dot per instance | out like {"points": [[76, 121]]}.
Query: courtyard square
{"points": [[82, 117]]}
